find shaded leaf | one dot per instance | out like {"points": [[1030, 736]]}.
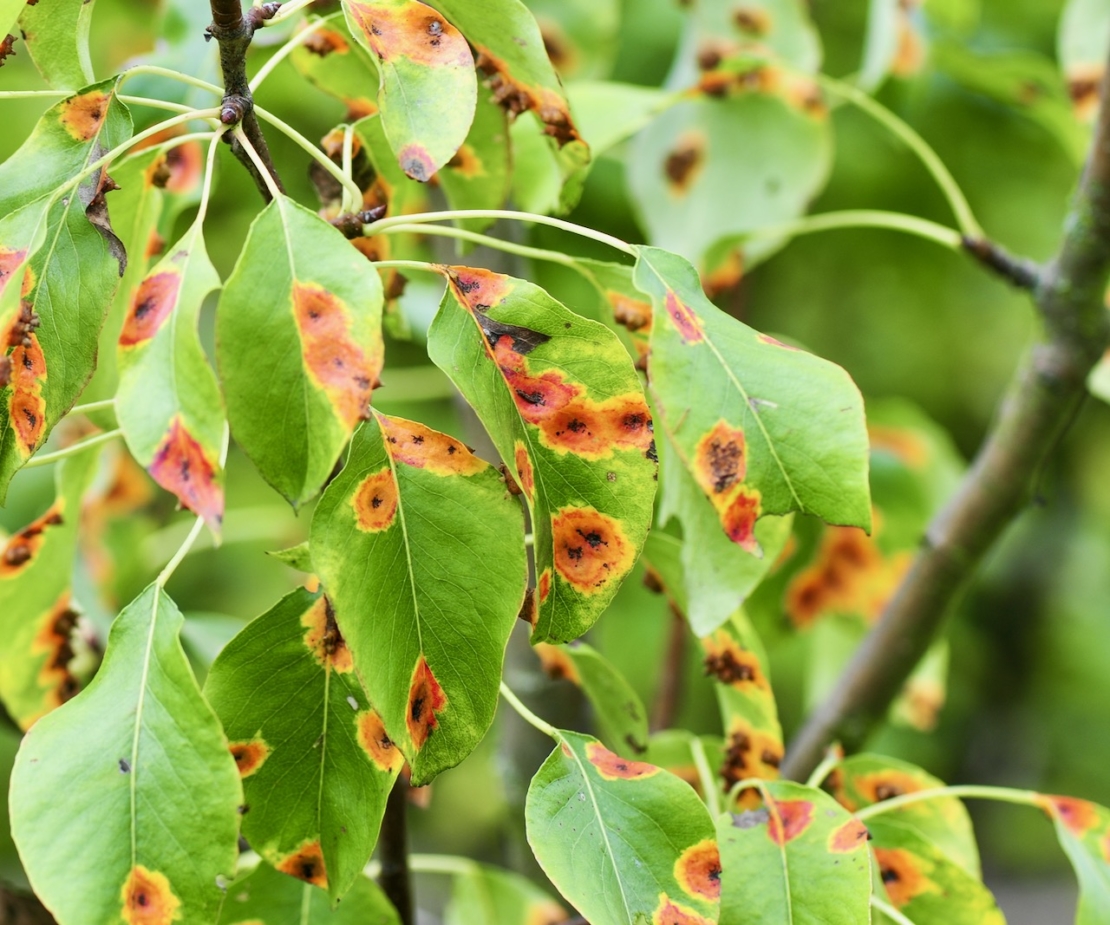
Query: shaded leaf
{"points": [[335, 63], [316, 763], [298, 557], [546, 179], [895, 44], [677, 751], [57, 37], [581, 37], [610, 112], [1099, 380], [623, 841], [567, 413], [138, 820], [478, 176], [1081, 46], [421, 549], [299, 346], [1083, 829], [488, 896]]}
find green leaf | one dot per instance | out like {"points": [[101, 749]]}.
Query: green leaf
{"points": [[610, 112], [488, 896], [581, 37], [623, 841], [786, 430], [1099, 380], [36, 611], [9, 13], [11, 870], [169, 403], [782, 28], [421, 549], [1084, 832], [266, 897], [619, 713], [478, 176], [316, 763], [428, 86], [21, 234], [566, 411], [298, 557], [1081, 49], [924, 883], [796, 859], [337, 64], [57, 37], [679, 752], [546, 178], [138, 820], [299, 346]]}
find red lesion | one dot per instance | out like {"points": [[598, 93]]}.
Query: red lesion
{"points": [[375, 502], [789, 819], [21, 549], [1078, 816], [525, 475], [411, 30], [421, 447], [900, 442], [53, 641], [148, 898], [26, 405], [750, 753], [182, 466], [720, 466], [901, 874], [849, 837], [739, 519], [613, 767], [537, 397], [306, 863], [544, 586], [417, 162], [323, 639], [10, 261], [698, 871], [479, 290], [338, 365], [426, 701], [82, 116], [671, 913], [684, 319], [249, 756], [591, 549], [377, 744], [593, 430], [153, 303], [732, 664]]}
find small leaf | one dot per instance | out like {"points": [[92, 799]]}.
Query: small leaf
{"points": [[421, 549], [137, 821], [1084, 832], [316, 763], [428, 86], [796, 857], [299, 346], [298, 557], [622, 840], [565, 409], [57, 37], [488, 896]]}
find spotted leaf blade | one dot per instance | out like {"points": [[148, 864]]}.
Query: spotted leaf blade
{"points": [[57, 37], [788, 431], [1083, 829], [796, 858], [315, 761], [298, 345], [488, 896], [168, 402], [125, 799], [478, 176], [428, 85], [566, 411], [341, 67], [266, 897], [421, 549], [623, 841], [21, 234], [36, 619]]}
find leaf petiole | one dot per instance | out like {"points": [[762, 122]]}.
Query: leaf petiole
{"points": [[48, 458], [462, 234], [889, 911], [705, 776], [267, 177], [282, 53], [93, 406], [964, 791], [832, 761], [527, 715], [862, 218]]}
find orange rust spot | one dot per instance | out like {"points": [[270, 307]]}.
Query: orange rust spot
{"points": [[423, 448], [901, 875], [526, 478], [185, 163], [516, 97], [906, 445], [726, 276], [613, 767], [53, 641], [544, 587], [325, 42], [698, 870], [411, 30], [537, 397], [148, 899], [732, 664], [685, 162], [155, 245], [467, 163], [478, 289], [774, 342], [882, 785], [593, 430], [1077, 816], [375, 502], [849, 837], [26, 405], [21, 548], [671, 913], [739, 517], [556, 662], [922, 701], [1083, 84], [750, 754], [307, 864], [426, 700], [153, 303], [376, 743], [634, 314], [249, 756], [544, 912], [81, 116], [333, 360], [720, 466], [182, 466], [323, 639], [682, 316], [910, 55], [591, 549], [10, 261], [789, 819]]}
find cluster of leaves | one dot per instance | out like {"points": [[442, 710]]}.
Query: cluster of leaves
{"points": [[389, 659]]}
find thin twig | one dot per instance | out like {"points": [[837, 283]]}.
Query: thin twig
{"points": [[669, 693], [1024, 274], [396, 878]]}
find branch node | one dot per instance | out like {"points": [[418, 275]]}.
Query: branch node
{"points": [[235, 109], [260, 15], [1020, 272]]}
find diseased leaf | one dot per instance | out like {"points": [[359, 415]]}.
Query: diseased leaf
{"points": [[57, 37], [299, 346], [421, 549], [581, 37], [137, 821], [610, 112], [796, 858], [168, 403], [623, 841], [21, 234], [428, 85], [546, 178], [488, 896], [316, 762], [679, 752], [298, 557], [37, 616], [894, 45], [1083, 829], [478, 176], [619, 713], [785, 431], [266, 897], [341, 67], [1081, 48], [565, 409]]}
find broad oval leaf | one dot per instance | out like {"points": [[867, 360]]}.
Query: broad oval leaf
{"points": [[785, 431], [125, 799], [316, 763], [341, 67], [57, 37], [564, 407], [623, 841], [582, 37], [1083, 829], [488, 896], [428, 85], [299, 346], [168, 403], [421, 548], [796, 859]]}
